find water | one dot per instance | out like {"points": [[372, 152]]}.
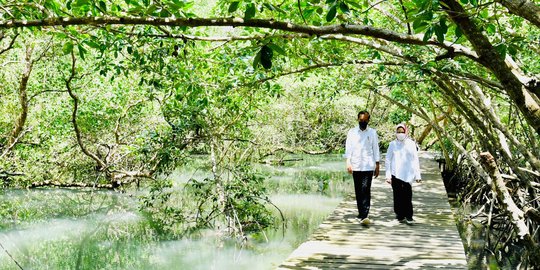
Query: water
{"points": [[73, 229]]}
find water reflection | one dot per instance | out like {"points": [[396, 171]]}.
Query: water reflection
{"points": [[73, 229]]}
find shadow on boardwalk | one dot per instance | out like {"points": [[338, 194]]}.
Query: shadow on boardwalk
{"points": [[433, 242]]}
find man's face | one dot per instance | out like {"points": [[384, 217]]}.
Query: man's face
{"points": [[363, 121], [364, 118]]}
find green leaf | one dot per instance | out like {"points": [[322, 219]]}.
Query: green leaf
{"points": [[331, 13], [82, 51], [280, 10], [234, 6], [250, 11], [115, 8], [164, 13], [103, 6], [257, 59], [512, 50], [176, 4], [490, 29], [308, 12], [67, 48], [419, 26], [344, 8], [458, 32], [354, 4], [484, 13], [366, 20], [474, 2], [92, 44], [464, 1], [274, 8], [276, 48], [269, 6], [428, 34], [439, 32], [266, 56], [80, 3], [501, 49], [151, 9], [442, 23]]}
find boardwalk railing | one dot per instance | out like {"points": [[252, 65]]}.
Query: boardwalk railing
{"points": [[433, 242]]}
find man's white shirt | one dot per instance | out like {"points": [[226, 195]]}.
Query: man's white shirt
{"points": [[362, 149]]}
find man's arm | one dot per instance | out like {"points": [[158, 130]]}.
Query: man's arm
{"points": [[376, 154], [348, 149]]}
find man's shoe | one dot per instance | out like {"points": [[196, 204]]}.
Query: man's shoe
{"points": [[402, 220], [365, 221], [409, 221]]}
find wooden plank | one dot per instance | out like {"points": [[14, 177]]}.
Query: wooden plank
{"points": [[432, 242]]}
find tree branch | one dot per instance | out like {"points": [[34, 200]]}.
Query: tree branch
{"points": [[234, 22], [5, 174], [488, 56], [45, 91], [523, 8], [23, 100], [10, 44], [102, 165], [406, 17], [515, 214], [324, 65], [300, 10], [458, 50], [117, 126], [11, 257]]}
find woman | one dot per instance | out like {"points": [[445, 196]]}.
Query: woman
{"points": [[402, 168]]}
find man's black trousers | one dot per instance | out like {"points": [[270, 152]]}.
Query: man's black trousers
{"points": [[362, 190]]}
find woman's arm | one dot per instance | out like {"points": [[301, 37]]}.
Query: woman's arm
{"points": [[389, 159]]}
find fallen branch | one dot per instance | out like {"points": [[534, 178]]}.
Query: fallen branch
{"points": [[5, 174], [113, 185], [70, 185], [515, 214]]}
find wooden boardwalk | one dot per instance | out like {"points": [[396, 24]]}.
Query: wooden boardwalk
{"points": [[433, 242]]}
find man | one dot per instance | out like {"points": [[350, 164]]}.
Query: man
{"points": [[362, 153]]}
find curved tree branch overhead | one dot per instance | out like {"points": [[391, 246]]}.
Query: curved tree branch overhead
{"points": [[524, 93]]}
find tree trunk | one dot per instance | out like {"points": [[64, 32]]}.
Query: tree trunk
{"points": [[23, 100], [527, 102], [428, 128], [523, 8], [101, 164]]}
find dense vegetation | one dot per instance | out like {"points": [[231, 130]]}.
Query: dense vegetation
{"points": [[113, 94]]}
